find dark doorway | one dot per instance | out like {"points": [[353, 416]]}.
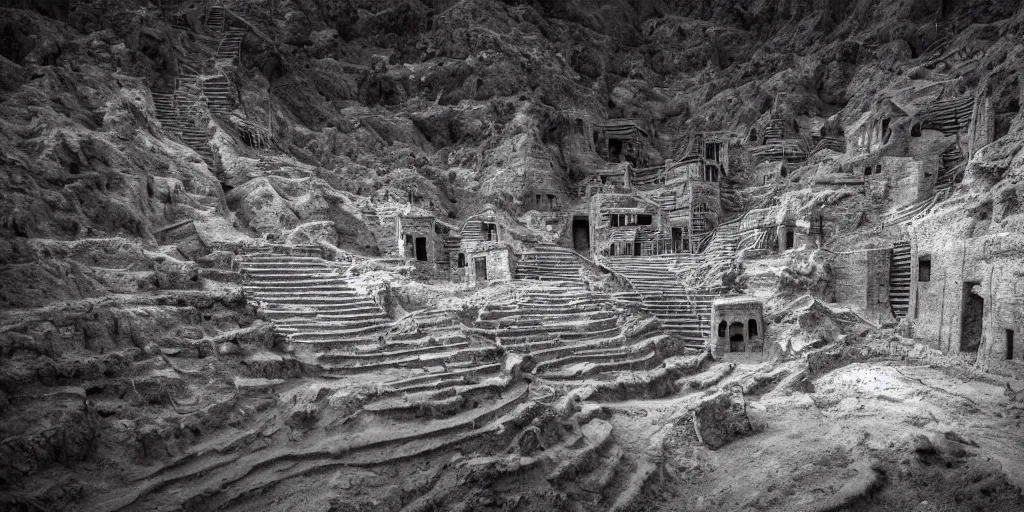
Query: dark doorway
{"points": [[722, 326], [736, 338], [614, 150], [677, 239], [462, 260], [752, 328], [581, 234], [480, 266], [971, 319], [789, 240], [1009, 344], [636, 249], [421, 248]]}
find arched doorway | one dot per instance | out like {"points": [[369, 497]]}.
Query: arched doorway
{"points": [[736, 337], [789, 239]]}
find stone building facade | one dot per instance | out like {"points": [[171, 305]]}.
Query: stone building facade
{"points": [[737, 325]]}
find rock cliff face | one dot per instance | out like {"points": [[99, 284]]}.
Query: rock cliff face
{"points": [[151, 151]]}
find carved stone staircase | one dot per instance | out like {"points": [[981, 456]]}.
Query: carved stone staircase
{"points": [[549, 263], [230, 47], [570, 333], [899, 279], [683, 313], [310, 303]]}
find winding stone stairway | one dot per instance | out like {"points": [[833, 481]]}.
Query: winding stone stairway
{"points": [[683, 313], [570, 333], [230, 47], [311, 303], [549, 263], [167, 112], [899, 279]]}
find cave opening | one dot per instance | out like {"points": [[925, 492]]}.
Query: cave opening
{"points": [[972, 317]]}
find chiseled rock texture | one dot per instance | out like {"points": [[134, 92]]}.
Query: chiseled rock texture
{"points": [[131, 367]]}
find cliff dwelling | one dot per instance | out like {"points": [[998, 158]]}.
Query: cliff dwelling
{"points": [[510, 256]]}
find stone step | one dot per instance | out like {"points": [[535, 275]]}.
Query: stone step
{"points": [[640, 362], [317, 325], [564, 336], [277, 312], [405, 385]]}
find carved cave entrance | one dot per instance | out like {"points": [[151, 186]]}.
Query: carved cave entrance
{"points": [[971, 318], [480, 268], [581, 233], [421, 248], [736, 337]]}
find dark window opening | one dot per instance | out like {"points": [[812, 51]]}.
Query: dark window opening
{"points": [[971, 320], [752, 328], [924, 269], [722, 326], [462, 260], [886, 133], [1009, 344], [613, 221], [637, 249], [789, 240], [796, 127], [878, 169], [867, 171], [611, 250], [490, 232], [784, 172], [915, 131], [644, 220], [753, 135]]}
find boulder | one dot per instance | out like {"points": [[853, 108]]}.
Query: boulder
{"points": [[721, 418]]}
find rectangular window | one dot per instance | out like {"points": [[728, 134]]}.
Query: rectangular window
{"points": [[613, 221], [644, 220], [1009, 344], [924, 269]]}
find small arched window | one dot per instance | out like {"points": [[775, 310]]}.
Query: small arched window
{"points": [[721, 329]]}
